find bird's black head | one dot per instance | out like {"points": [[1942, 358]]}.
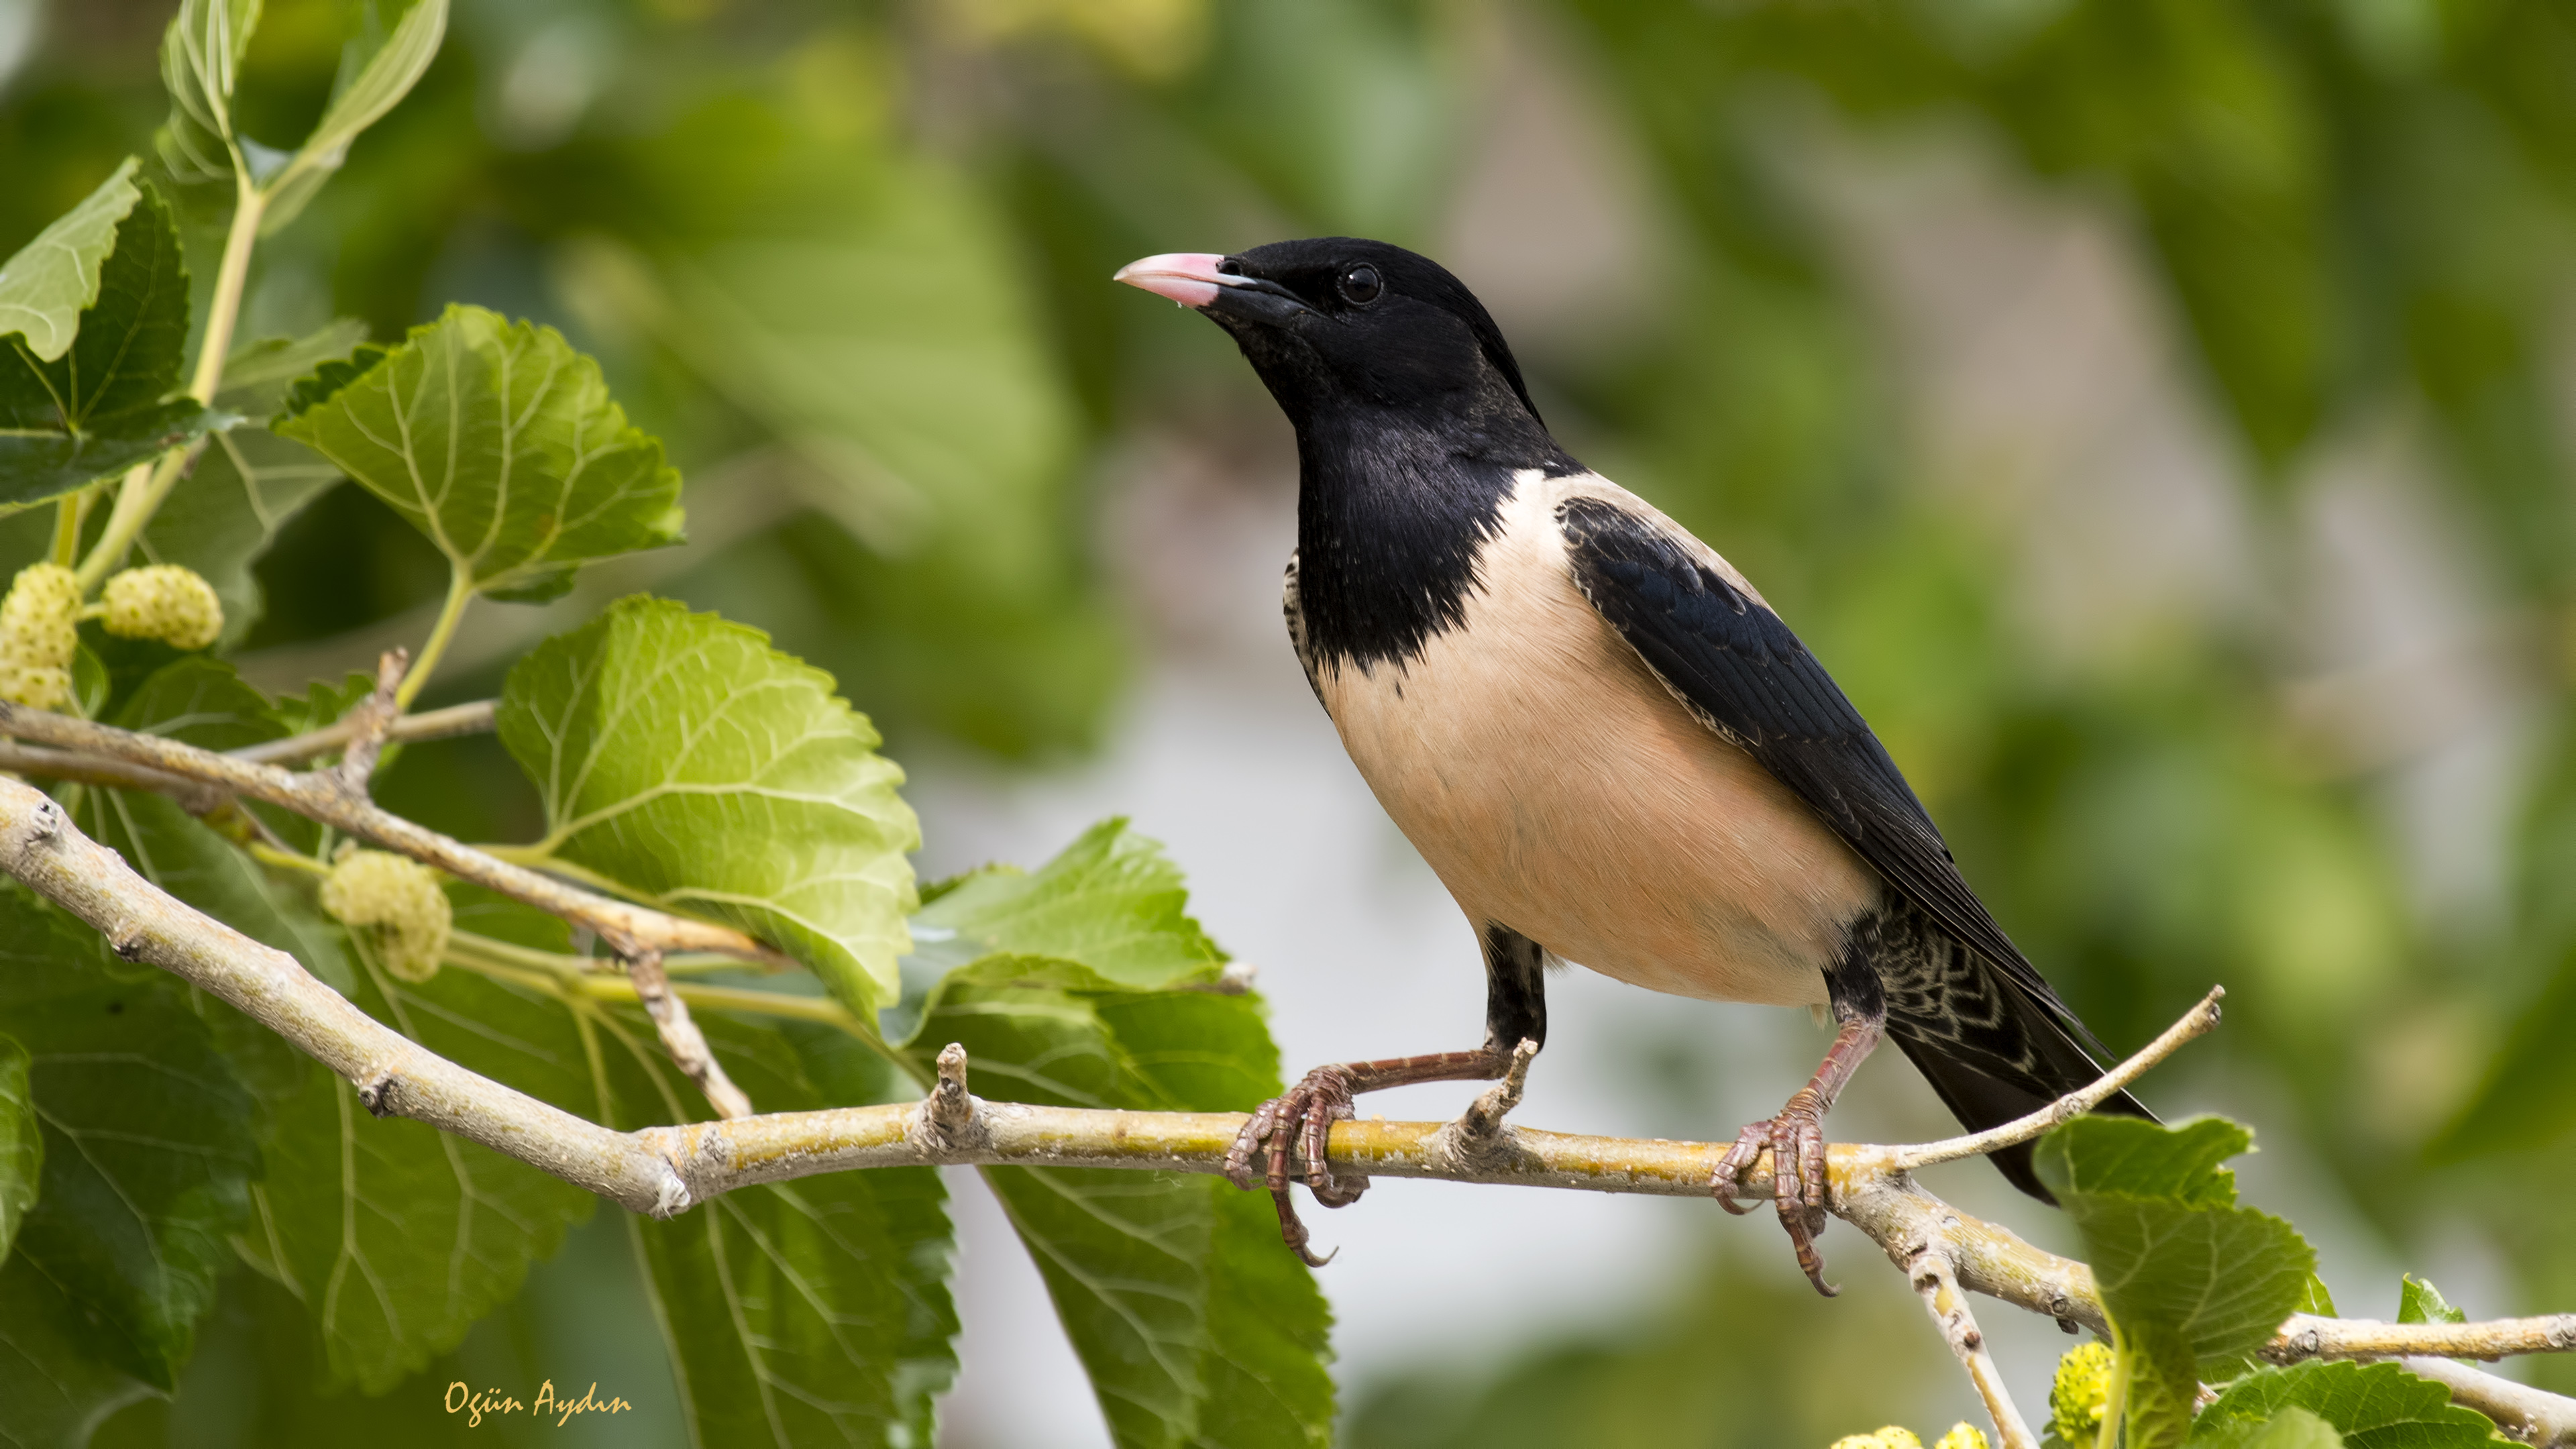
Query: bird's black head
{"points": [[1338, 324]]}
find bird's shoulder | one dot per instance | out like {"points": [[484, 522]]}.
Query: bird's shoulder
{"points": [[1731, 660], [1589, 513]]}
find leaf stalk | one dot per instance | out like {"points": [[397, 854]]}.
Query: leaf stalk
{"points": [[460, 592], [142, 494]]}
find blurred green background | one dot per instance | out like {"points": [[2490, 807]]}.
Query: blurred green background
{"points": [[2155, 411]]}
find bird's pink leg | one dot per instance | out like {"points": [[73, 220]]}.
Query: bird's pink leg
{"points": [[1305, 1114], [1796, 1140]]}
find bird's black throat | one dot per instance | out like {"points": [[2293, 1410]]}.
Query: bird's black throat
{"points": [[1392, 510]]}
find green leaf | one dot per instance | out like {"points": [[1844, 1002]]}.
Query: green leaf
{"points": [[200, 57], [398, 1236], [2193, 1283], [2319, 1299], [2418, 1301], [1195, 1325], [2141, 1159], [489, 913], [249, 481], [2155, 1361], [808, 1312], [53, 1390], [378, 68], [53, 279], [2167, 1243], [22, 1143], [92, 682], [321, 703], [1111, 901], [2224, 1278], [148, 1152], [499, 442], [99, 406], [681, 758], [54, 1383], [2373, 1406], [2292, 1428]]}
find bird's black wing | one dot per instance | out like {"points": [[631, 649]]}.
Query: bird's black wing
{"points": [[1736, 666]]}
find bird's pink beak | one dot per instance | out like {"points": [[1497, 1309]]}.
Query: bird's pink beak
{"points": [[1188, 278]]}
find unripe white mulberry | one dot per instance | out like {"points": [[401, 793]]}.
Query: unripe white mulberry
{"points": [[1963, 1435], [39, 631], [34, 686], [1894, 1436], [169, 602], [395, 903], [2081, 1393]]}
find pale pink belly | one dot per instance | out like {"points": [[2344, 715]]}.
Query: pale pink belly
{"points": [[1556, 787]]}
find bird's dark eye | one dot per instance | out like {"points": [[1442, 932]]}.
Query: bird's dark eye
{"points": [[1360, 285]]}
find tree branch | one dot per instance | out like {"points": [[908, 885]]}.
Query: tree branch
{"points": [[434, 724], [1936, 1283], [2306, 1336], [370, 721], [37, 760], [2526, 1415], [394, 1075], [681, 1037], [2195, 1023], [666, 1170], [326, 796]]}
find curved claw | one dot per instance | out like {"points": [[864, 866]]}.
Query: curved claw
{"points": [[1303, 1115], [1727, 1181], [1796, 1141]]}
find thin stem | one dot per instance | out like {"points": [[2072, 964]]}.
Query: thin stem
{"points": [[568, 976], [69, 512], [460, 591], [270, 855], [125, 521], [141, 495], [429, 724], [541, 857], [2115, 1404], [231, 277]]}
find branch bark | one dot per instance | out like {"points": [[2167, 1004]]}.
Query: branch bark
{"points": [[434, 724], [1936, 1282], [681, 1037], [665, 1170], [2306, 1336], [20, 759], [327, 796], [2525, 1414]]}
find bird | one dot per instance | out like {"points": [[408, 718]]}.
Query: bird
{"points": [[1600, 736]]}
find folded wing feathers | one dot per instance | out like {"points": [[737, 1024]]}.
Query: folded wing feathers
{"points": [[1740, 670]]}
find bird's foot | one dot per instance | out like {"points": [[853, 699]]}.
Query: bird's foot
{"points": [[1483, 1119], [1303, 1115], [1796, 1141]]}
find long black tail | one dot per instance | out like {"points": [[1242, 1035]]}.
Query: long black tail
{"points": [[1991, 1048]]}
